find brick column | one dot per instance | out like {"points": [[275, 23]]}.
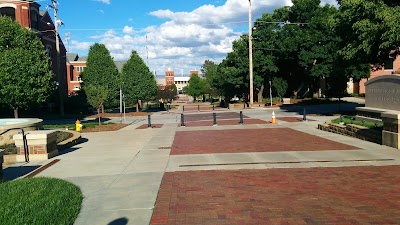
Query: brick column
{"points": [[41, 145]]}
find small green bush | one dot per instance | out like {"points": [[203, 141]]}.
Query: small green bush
{"points": [[39, 201], [350, 120]]}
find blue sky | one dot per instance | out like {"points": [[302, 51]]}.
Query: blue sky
{"points": [[181, 34]]}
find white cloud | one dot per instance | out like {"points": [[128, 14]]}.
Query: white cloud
{"points": [[100, 11], [186, 39], [79, 46], [127, 30], [104, 1]]}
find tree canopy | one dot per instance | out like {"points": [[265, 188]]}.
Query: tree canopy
{"points": [[26, 78], [138, 82], [101, 71]]}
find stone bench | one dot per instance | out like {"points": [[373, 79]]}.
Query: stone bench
{"points": [[41, 145]]}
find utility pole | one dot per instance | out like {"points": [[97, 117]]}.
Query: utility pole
{"points": [[67, 38], [250, 57], [58, 75]]}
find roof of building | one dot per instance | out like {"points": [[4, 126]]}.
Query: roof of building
{"points": [[71, 57]]}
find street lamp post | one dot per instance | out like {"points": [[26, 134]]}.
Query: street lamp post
{"points": [[58, 75], [250, 57]]}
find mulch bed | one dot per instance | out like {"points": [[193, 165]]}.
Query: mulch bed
{"points": [[107, 115], [104, 127], [145, 126]]}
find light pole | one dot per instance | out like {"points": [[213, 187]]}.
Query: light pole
{"points": [[58, 75], [250, 57]]}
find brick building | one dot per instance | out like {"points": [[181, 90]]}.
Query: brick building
{"points": [[392, 65], [75, 65], [28, 14]]}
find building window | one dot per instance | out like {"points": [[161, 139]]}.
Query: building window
{"points": [[48, 51], [80, 68], [79, 78], [34, 20], [389, 64], [8, 11]]}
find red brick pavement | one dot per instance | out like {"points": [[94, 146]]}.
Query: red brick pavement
{"points": [[224, 122], [145, 126], [250, 140], [337, 196], [291, 119], [209, 116]]}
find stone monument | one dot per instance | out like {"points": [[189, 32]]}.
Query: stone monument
{"points": [[382, 103]]}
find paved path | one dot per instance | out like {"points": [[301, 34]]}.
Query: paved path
{"points": [[120, 173]]}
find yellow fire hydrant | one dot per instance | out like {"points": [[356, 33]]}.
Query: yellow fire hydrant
{"points": [[78, 125]]}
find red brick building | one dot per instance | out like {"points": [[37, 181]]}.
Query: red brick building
{"points": [[28, 14], [392, 65], [75, 65], [169, 77]]}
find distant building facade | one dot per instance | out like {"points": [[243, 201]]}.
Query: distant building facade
{"points": [[75, 66], [28, 15]]}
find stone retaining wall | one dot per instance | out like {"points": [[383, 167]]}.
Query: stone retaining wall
{"points": [[353, 130]]}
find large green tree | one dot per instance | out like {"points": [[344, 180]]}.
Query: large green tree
{"points": [[101, 71], [138, 82], [369, 30], [26, 78], [196, 86]]}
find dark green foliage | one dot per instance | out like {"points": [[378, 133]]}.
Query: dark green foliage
{"points": [[138, 82], [101, 71], [196, 86], [38, 201], [168, 94], [369, 30], [280, 86], [26, 79]]}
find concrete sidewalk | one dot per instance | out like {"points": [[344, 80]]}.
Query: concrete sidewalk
{"points": [[120, 172]]}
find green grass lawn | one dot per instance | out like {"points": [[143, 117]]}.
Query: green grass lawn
{"points": [[350, 120], [39, 201]]}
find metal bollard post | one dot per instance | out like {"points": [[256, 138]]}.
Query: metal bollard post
{"points": [[182, 120], [241, 118], [148, 121], [198, 108], [304, 114], [214, 119]]}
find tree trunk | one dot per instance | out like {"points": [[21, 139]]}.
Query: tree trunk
{"points": [[15, 112], [260, 93], [137, 106], [102, 108], [204, 98], [98, 115]]}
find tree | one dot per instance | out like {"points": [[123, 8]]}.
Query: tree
{"points": [[168, 93], [101, 71], [26, 78], [96, 95], [369, 30], [280, 86], [209, 70], [138, 82], [196, 86]]}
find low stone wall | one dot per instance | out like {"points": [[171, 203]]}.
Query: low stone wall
{"points": [[353, 130]]}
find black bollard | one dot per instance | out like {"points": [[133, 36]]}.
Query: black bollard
{"points": [[198, 108], [304, 114], [214, 119], [26, 148], [182, 120], [241, 118], [148, 121]]}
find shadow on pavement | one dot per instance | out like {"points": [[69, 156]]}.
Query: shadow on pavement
{"points": [[119, 221], [326, 109], [11, 173]]}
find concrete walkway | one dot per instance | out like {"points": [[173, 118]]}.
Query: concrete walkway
{"points": [[120, 172]]}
